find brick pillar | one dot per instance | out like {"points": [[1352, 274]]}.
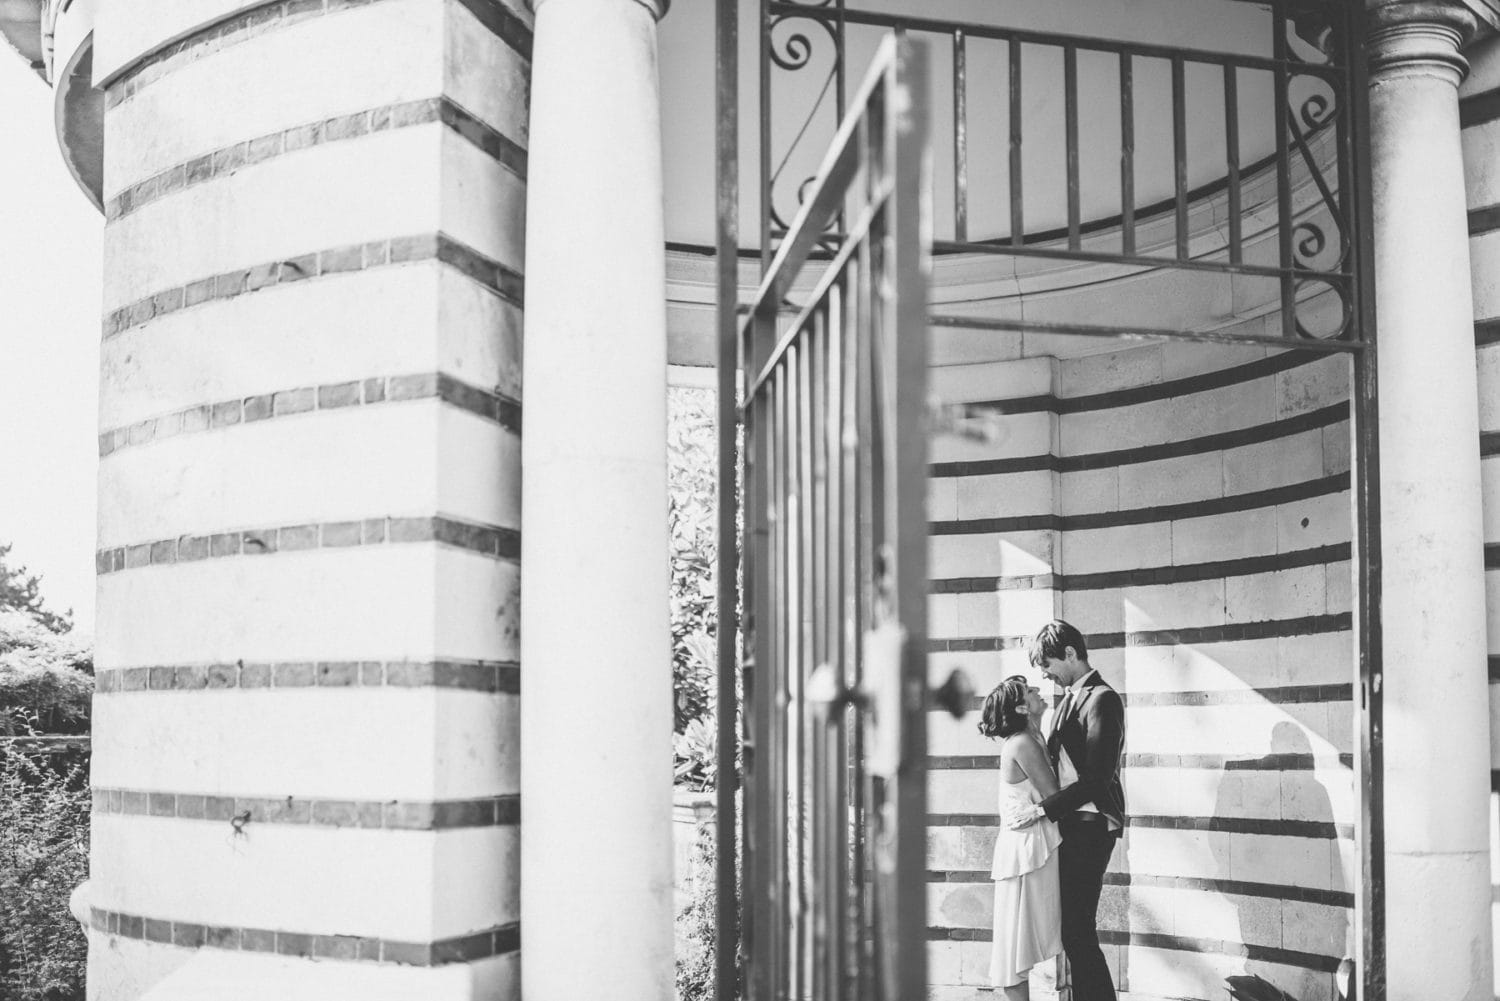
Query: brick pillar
{"points": [[305, 767]]}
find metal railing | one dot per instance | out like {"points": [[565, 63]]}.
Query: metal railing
{"points": [[1304, 176]]}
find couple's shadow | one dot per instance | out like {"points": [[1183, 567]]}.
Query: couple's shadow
{"points": [[1270, 872]]}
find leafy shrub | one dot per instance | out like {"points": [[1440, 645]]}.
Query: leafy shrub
{"points": [[44, 826], [46, 684], [46, 679], [697, 924], [692, 457], [697, 752]]}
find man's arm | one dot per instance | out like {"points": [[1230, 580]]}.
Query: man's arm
{"points": [[1104, 728]]}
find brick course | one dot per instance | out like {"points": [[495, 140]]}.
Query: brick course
{"points": [[503, 281], [476, 676], [496, 941], [488, 540]]}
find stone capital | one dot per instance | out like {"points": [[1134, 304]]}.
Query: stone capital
{"points": [[1419, 35], [658, 8]]}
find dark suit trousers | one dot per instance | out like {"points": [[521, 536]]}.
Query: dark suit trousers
{"points": [[1082, 860]]}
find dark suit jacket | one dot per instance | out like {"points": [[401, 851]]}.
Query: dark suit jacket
{"points": [[1093, 733]]}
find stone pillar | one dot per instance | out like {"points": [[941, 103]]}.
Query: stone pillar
{"points": [[596, 900], [305, 771], [1436, 702]]}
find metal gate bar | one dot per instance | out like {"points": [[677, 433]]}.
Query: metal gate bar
{"points": [[835, 551]]}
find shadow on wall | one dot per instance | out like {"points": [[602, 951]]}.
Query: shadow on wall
{"points": [[1291, 756]]}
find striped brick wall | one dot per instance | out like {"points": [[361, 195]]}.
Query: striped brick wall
{"points": [[1187, 507], [1479, 116], [306, 727]]}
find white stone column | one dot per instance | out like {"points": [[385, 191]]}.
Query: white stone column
{"points": [[1436, 703], [596, 895]]}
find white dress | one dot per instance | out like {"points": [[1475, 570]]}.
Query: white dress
{"points": [[1028, 903]]}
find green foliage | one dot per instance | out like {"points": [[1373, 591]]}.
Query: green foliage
{"points": [[44, 826], [692, 457], [698, 927]]}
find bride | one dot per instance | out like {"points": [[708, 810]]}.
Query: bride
{"points": [[1028, 905]]}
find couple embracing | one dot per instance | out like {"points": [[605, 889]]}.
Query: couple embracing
{"points": [[1062, 809]]}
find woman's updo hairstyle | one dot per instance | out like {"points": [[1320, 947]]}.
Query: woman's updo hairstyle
{"points": [[1003, 707]]}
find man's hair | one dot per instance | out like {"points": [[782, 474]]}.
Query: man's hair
{"points": [[1002, 715], [1053, 639]]}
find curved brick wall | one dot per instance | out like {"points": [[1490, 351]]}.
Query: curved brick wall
{"points": [[305, 732], [1188, 508]]}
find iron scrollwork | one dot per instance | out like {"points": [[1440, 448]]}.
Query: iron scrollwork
{"points": [[793, 51], [1321, 247]]}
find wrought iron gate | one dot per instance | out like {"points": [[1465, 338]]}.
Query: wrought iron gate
{"points": [[832, 404], [834, 365]]}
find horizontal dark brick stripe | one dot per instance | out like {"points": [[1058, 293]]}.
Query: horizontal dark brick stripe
{"points": [[473, 676], [1317, 829], [1267, 629], [1277, 891], [1281, 891], [1261, 953], [1277, 695], [1477, 109], [1280, 695], [1487, 332], [1494, 663], [496, 277], [1146, 515], [228, 159], [389, 815], [503, 23], [1144, 576], [1484, 220], [1228, 825], [1152, 392], [1211, 762], [246, 24], [496, 941], [1258, 434], [491, 406], [1492, 555], [488, 540], [1489, 443]]}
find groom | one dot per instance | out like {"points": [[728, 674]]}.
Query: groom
{"points": [[1089, 725]]}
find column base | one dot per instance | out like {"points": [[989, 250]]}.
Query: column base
{"points": [[1449, 895]]}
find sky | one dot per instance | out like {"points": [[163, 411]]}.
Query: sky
{"points": [[50, 302]]}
